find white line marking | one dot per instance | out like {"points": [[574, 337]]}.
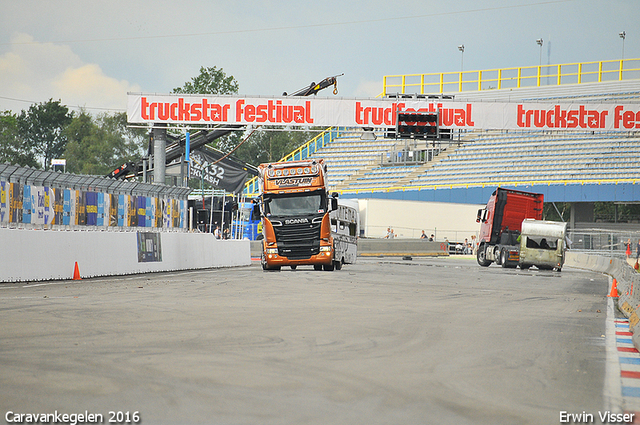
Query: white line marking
{"points": [[612, 383]]}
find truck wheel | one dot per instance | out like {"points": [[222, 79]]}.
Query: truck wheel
{"points": [[317, 267], [504, 255], [480, 256], [338, 264], [503, 259], [525, 266], [293, 267], [497, 254], [265, 266], [328, 267]]}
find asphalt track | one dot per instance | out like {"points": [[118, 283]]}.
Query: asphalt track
{"points": [[384, 341]]}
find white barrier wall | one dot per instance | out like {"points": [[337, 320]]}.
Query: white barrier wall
{"points": [[446, 220], [28, 255], [626, 279]]}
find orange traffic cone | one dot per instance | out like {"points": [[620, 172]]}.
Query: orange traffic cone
{"points": [[76, 273], [614, 289]]}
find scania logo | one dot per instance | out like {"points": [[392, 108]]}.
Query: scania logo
{"points": [[296, 221]]}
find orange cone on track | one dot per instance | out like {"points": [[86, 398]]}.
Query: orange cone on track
{"points": [[76, 273], [614, 289]]}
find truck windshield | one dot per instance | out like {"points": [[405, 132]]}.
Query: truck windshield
{"points": [[296, 204]]}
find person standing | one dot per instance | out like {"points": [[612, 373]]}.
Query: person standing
{"points": [[390, 234], [628, 252]]}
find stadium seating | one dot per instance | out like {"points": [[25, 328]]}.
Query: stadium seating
{"points": [[359, 162], [485, 157]]}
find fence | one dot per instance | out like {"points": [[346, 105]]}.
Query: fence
{"points": [[506, 78], [611, 243], [36, 199]]}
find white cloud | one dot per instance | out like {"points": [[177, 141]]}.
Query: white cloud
{"points": [[37, 72]]}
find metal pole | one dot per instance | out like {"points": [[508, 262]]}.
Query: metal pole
{"points": [[187, 153], [159, 154], [211, 213], [222, 219]]}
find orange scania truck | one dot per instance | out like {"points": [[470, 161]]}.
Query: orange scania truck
{"points": [[295, 209]]}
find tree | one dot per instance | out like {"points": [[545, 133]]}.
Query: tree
{"points": [[265, 145], [213, 81], [12, 148], [41, 129], [99, 145], [210, 81], [556, 211], [269, 144]]}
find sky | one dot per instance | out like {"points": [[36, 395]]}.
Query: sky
{"points": [[90, 54]]}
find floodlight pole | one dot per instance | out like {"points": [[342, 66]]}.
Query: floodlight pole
{"points": [[539, 42]]}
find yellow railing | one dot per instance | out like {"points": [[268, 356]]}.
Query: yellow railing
{"points": [[490, 184], [302, 152], [504, 78]]}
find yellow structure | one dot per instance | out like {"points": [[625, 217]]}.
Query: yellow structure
{"points": [[506, 78]]}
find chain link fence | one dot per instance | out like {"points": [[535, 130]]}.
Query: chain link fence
{"points": [[612, 243], [37, 199]]}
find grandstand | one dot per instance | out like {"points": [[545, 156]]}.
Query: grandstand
{"points": [[578, 167], [369, 162], [485, 157]]}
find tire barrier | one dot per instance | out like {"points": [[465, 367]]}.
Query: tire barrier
{"points": [[625, 279]]}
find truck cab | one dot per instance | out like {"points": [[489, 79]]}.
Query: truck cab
{"points": [[296, 224], [501, 223]]}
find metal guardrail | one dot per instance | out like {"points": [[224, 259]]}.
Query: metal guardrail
{"points": [[519, 77], [492, 184]]}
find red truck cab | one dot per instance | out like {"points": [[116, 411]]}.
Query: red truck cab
{"points": [[501, 223]]}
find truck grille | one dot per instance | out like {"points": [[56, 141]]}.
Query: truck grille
{"points": [[298, 241]]}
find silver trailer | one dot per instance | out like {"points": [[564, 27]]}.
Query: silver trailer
{"points": [[345, 231], [542, 244]]}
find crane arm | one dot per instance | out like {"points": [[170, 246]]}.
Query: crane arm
{"points": [[314, 88]]}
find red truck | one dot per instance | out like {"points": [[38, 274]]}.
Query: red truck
{"points": [[501, 224]]}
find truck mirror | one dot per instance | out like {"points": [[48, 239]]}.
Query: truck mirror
{"points": [[479, 217], [334, 204]]}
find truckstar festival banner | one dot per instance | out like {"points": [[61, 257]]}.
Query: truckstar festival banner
{"points": [[303, 111]]}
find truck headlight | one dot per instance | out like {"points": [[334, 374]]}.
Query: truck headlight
{"points": [[325, 249], [272, 250]]}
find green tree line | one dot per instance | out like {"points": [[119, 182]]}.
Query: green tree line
{"points": [[97, 144]]}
